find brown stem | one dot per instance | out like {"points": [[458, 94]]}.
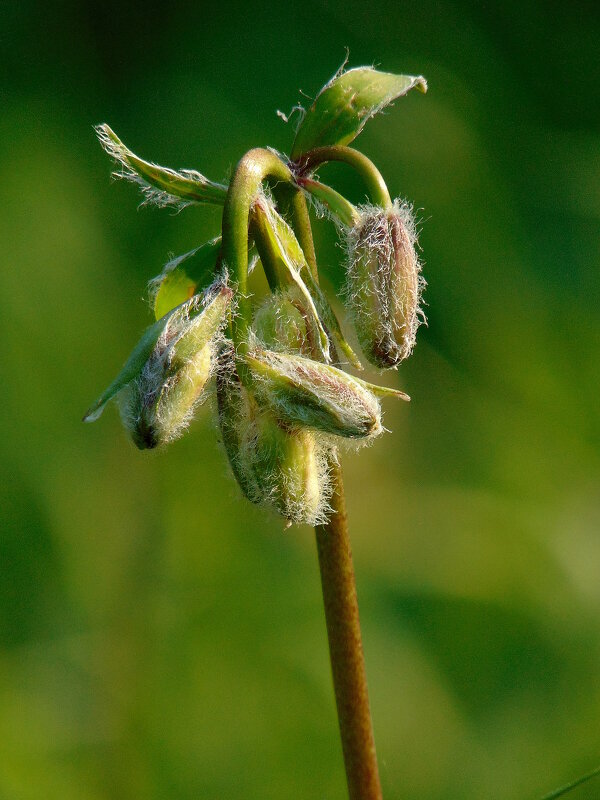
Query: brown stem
{"points": [[345, 649]]}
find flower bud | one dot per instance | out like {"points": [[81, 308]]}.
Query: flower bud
{"points": [[286, 463], [275, 466], [306, 393], [158, 404], [384, 284], [280, 323], [278, 247]]}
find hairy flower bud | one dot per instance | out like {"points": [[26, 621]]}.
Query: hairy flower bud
{"points": [[162, 381], [275, 466], [306, 393], [384, 284], [281, 323], [159, 404]]}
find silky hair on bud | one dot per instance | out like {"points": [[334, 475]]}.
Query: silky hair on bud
{"points": [[384, 283], [307, 393], [280, 323], [158, 405], [285, 469]]}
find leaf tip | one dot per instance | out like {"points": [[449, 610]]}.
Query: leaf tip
{"points": [[421, 84], [92, 414]]}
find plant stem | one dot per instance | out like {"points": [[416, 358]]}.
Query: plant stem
{"points": [[339, 593], [376, 186], [335, 202], [345, 649], [293, 205], [256, 166]]}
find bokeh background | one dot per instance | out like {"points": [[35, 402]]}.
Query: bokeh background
{"points": [[161, 638]]}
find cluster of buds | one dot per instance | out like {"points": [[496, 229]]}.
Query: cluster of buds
{"points": [[285, 403]]}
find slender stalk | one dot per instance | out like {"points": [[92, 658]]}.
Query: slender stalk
{"points": [[565, 789], [256, 166], [335, 202], [345, 649], [293, 205], [373, 179]]}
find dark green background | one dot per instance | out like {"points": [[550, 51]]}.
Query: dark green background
{"points": [[161, 638]]}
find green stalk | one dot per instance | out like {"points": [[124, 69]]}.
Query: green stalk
{"points": [[255, 167], [565, 789], [345, 649], [373, 179], [293, 206], [335, 202], [264, 246]]}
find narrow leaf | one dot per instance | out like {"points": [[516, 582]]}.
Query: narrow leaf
{"points": [[344, 105], [384, 391], [565, 789], [160, 186], [183, 276], [139, 355]]}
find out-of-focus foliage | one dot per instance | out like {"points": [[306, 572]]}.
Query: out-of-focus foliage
{"points": [[160, 637]]}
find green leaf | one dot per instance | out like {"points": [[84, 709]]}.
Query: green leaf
{"points": [[344, 105], [183, 276], [160, 186], [133, 366]]}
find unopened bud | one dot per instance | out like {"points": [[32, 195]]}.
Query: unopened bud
{"points": [[275, 466], [280, 323], [306, 393], [384, 284], [286, 462], [159, 401]]}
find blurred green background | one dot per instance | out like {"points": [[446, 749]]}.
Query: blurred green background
{"points": [[161, 638]]}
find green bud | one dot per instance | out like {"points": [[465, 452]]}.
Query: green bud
{"points": [[162, 382], [160, 403], [280, 324], [286, 463], [279, 248], [305, 393], [384, 284], [236, 412], [276, 466]]}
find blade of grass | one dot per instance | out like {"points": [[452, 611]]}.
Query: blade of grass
{"points": [[564, 789]]}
